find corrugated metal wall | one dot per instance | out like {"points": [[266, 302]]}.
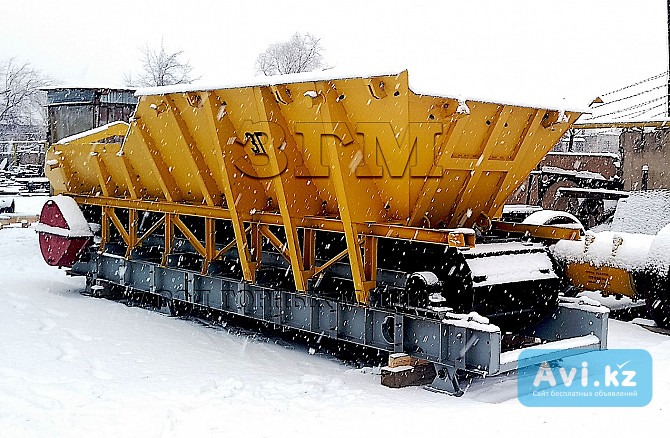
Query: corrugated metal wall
{"points": [[74, 110]]}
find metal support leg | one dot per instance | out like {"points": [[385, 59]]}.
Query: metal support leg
{"points": [[398, 333], [169, 238], [446, 381], [132, 233], [152, 278]]}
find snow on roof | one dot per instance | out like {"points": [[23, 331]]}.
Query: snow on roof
{"points": [[97, 130], [421, 81], [575, 173], [520, 208], [642, 212], [617, 193], [586, 154], [110, 87]]}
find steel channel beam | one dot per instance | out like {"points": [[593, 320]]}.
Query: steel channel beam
{"points": [[421, 337], [390, 231], [457, 344]]}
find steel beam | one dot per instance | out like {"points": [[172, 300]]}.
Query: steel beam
{"points": [[280, 186], [150, 231], [189, 236], [218, 127], [431, 185], [168, 237], [361, 287], [526, 146], [489, 143], [389, 231], [129, 176], [451, 344], [118, 225], [104, 179], [160, 169], [132, 232], [200, 173]]}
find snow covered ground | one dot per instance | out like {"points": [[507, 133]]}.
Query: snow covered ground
{"points": [[72, 365]]}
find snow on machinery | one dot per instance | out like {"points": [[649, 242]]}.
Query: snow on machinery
{"points": [[347, 207], [622, 264], [631, 260]]}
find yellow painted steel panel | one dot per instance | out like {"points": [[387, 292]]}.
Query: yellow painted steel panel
{"points": [[601, 278], [399, 157]]}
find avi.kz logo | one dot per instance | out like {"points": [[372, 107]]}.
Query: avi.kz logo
{"points": [[584, 378]]}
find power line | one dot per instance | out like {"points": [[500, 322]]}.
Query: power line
{"points": [[631, 107], [639, 113], [662, 113], [637, 83], [633, 95], [642, 110]]}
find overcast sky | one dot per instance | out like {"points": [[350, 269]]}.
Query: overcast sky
{"points": [[561, 50]]}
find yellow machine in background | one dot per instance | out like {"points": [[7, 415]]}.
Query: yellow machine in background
{"points": [[625, 264]]}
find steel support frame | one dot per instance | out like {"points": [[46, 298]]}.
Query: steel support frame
{"points": [[130, 236], [362, 283], [214, 108], [452, 345], [389, 231], [363, 247], [271, 111], [424, 338], [209, 252]]}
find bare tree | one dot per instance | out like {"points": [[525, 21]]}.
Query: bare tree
{"points": [[20, 97], [299, 54], [161, 67]]}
